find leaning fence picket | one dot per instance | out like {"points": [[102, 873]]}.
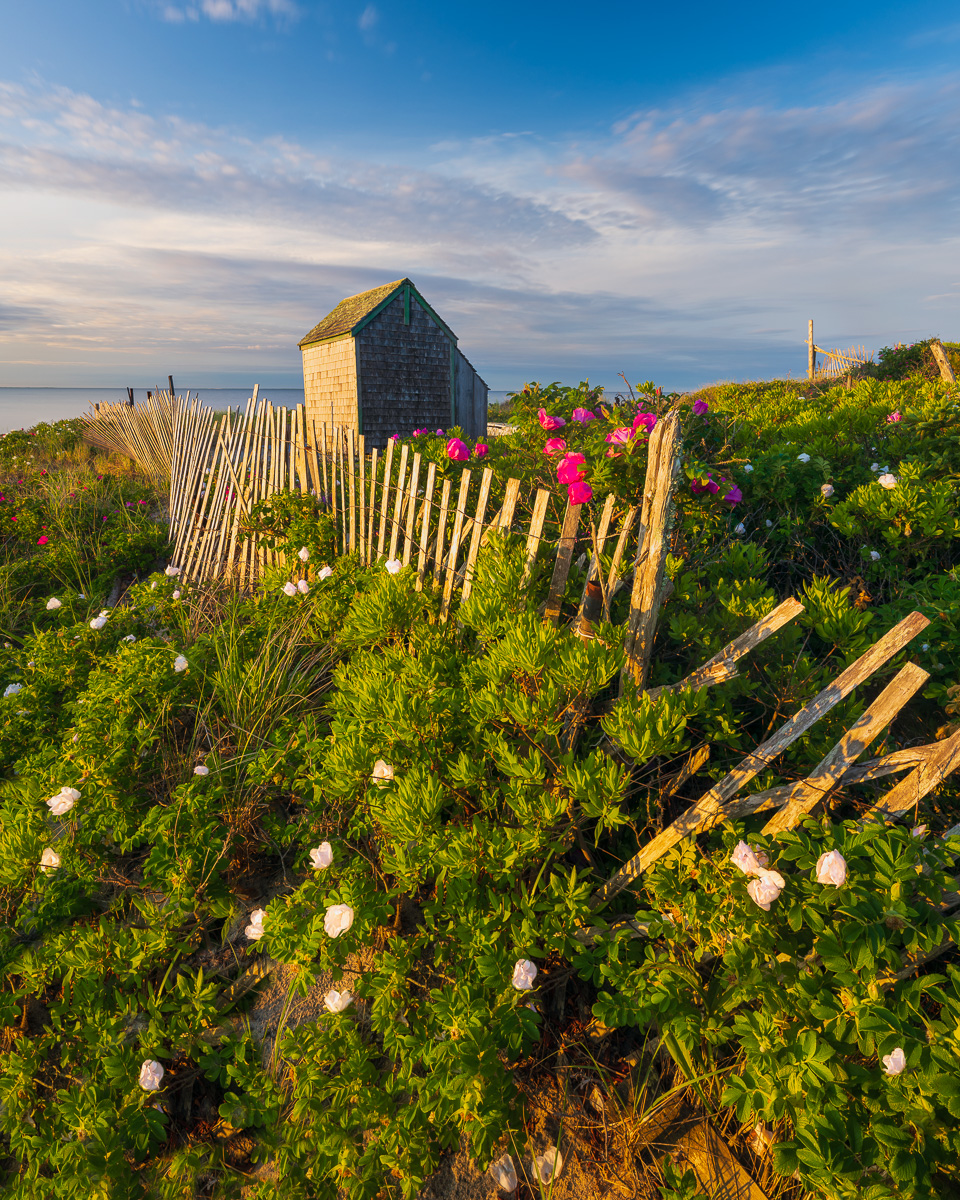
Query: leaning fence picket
{"points": [[425, 525]]}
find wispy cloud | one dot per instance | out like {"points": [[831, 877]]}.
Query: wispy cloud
{"points": [[229, 10], [685, 244]]}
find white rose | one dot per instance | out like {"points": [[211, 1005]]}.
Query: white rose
{"points": [[201, 770], [804, 458], [827, 490], [171, 570], [382, 773], [63, 801], [321, 857], [180, 663], [747, 467], [49, 860], [336, 1002], [129, 638], [768, 523], [98, 622], [53, 603], [740, 529], [524, 973], [887, 481], [324, 573], [394, 565], [289, 589], [176, 594], [303, 554], [832, 868], [874, 555], [765, 888], [338, 919], [303, 587], [151, 1073], [744, 858], [894, 1064], [254, 930], [12, 689]]}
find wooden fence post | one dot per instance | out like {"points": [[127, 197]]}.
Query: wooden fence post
{"points": [[943, 362], [663, 466], [811, 352]]}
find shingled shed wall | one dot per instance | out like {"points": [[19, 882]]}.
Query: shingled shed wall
{"points": [[405, 373], [330, 380]]}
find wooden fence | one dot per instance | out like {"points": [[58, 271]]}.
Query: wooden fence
{"points": [[390, 505], [396, 506]]}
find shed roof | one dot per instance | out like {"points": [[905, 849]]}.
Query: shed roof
{"points": [[354, 312]]}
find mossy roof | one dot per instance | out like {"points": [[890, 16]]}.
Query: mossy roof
{"points": [[350, 312]]}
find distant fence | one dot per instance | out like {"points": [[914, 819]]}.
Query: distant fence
{"points": [[390, 504]]}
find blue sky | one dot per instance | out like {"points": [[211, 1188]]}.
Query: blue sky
{"points": [[668, 191]]}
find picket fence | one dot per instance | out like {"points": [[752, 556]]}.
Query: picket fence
{"points": [[389, 505]]}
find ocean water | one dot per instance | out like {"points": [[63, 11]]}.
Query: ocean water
{"points": [[22, 407]]}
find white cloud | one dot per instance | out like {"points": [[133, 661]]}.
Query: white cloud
{"points": [[368, 18], [230, 10], [692, 243]]}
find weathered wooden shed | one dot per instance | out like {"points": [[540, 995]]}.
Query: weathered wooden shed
{"points": [[383, 362]]}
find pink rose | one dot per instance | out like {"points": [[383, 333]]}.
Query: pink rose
{"points": [[481, 449], [644, 421], [554, 446], [580, 492], [571, 468], [893, 418], [548, 422], [583, 415], [621, 436], [42, 541], [734, 496], [698, 488], [700, 407], [457, 450]]}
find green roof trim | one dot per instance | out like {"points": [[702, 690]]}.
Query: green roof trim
{"points": [[352, 314]]}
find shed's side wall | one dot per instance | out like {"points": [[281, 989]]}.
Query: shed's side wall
{"points": [[330, 381], [471, 413], [405, 373]]}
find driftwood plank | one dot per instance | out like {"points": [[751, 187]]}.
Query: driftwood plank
{"points": [[398, 503], [481, 510], [352, 474], [618, 556], [711, 808], [721, 667], [372, 506], [561, 569], [828, 773], [441, 529], [509, 504], [596, 567], [411, 509], [928, 775], [385, 497], [535, 533], [458, 519], [663, 466], [425, 525]]}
